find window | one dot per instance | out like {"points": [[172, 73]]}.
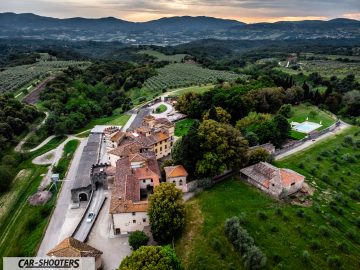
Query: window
{"points": [[144, 181], [144, 219], [133, 213], [273, 185], [160, 149], [293, 183], [174, 182], [151, 180], [165, 146], [180, 182], [171, 143], [134, 221], [156, 150]]}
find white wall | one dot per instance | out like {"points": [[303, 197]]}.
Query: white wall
{"points": [[112, 159], [183, 187], [144, 185], [124, 221]]}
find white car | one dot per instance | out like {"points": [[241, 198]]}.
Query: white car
{"points": [[90, 217]]}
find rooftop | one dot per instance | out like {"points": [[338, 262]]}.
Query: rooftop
{"points": [[71, 247], [175, 171]]}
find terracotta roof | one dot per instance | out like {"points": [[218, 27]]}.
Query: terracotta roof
{"points": [[137, 157], [163, 121], [71, 247], [118, 136], [126, 148], [289, 176], [175, 171], [161, 136]]}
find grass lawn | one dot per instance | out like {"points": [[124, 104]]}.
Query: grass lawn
{"points": [[299, 114], [328, 228], [182, 127], [17, 218], [64, 162], [118, 120], [160, 109], [195, 89]]}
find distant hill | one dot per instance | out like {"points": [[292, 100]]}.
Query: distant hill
{"points": [[169, 31]]}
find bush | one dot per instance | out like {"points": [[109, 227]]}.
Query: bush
{"points": [[351, 234], [357, 222], [354, 195], [334, 262], [306, 256], [138, 239], [300, 213], [323, 230], [348, 158], [218, 247], [314, 245], [325, 178], [278, 212], [348, 140], [343, 247], [261, 215], [254, 258]]}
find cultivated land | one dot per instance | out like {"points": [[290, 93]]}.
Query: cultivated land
{"points": [[327, 228], [194, 89], [163, 57], [182, 127], [183, 75], [13, 78], [299, 114]]}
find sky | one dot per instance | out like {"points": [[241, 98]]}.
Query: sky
{"points": [[248, 11]]}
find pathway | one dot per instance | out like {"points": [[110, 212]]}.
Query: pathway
{"points": [[309, 143]]}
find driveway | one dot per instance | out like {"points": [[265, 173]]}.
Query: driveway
{"points": [[169, 109], [114, 249]]}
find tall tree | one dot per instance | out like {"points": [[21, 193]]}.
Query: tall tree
{"points": [[166, 212]]}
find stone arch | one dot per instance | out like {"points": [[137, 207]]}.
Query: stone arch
{"points": [[83, 197]]}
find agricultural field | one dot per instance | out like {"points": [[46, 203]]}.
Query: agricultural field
{"points": [[325, 68], [13, 78], [327, 230], [185, 75], [300, 112], [163, 57]]}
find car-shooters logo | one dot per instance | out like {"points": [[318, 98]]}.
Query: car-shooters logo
{"points": [[75, 263]]}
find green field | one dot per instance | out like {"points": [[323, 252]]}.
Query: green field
{"points": [[117, 120], [182, 127], [163, 57], [299, 114], [327, 229], [194, 89], [19, 219], [64, 162], [185, 75]]}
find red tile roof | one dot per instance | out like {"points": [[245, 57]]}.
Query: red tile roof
{"points": [[71, 247], [175, 171]]}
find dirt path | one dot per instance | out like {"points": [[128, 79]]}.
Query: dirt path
{"points": [[309, 143], [18, 148], [33, 96]]}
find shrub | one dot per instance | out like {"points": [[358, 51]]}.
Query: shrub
{"points": [[348, 158], [325, 178], [343, 247], [301, 165], [306, 256], [357, 222], [254, 258], [334, 222], [300, 213], [348, 140], [278, 212], [314, 245], [325, 153], [317, 208], [323, 230], [354, 195], [218, 247], [351, 234], [138, 239], [261, 215], [274, 229], [334, 262]]}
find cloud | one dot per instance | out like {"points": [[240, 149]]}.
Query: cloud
{"points": [[142, 10]]}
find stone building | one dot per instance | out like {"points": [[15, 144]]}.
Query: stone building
{"points": [[177, 175], [273, 180]]}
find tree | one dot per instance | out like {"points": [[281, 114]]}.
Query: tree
{"points": [[254, 258], [152, 257], [166, 212], [218, 114], [138, 239], [6, 177], [285, 110], [257, 155], [282, 126], [223, 147]]}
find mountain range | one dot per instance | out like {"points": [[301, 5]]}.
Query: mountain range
{"points": [[169, 31]]}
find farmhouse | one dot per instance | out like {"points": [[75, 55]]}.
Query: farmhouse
{"points": [[273, 180], [71, 247], [136, 176], [269, 147], [177, 175]]}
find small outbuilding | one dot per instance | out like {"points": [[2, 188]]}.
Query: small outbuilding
{"points": [[273, 180], [178, 176], [71, 247]]}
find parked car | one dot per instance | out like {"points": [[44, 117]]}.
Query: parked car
{"points": [[90, 217]]}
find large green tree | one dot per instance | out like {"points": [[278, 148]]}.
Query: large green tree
{"points": [[166, 212], [223, 147], [152, 258]]}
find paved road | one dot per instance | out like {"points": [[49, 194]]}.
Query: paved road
{"points": [[139, 118], [95, 206], [129, 122], [309, 143], [52, 234], [169, 109]]}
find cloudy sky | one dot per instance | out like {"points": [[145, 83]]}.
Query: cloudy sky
{"points": [[144, 10]]}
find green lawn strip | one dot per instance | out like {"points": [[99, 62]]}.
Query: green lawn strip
{"points": [[194, 89], [160, 109], [163, 57], [119, 120], [182, 127], [64, 162], [297, 135]]}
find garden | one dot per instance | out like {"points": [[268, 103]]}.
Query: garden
{"points": [[323, 235]]}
